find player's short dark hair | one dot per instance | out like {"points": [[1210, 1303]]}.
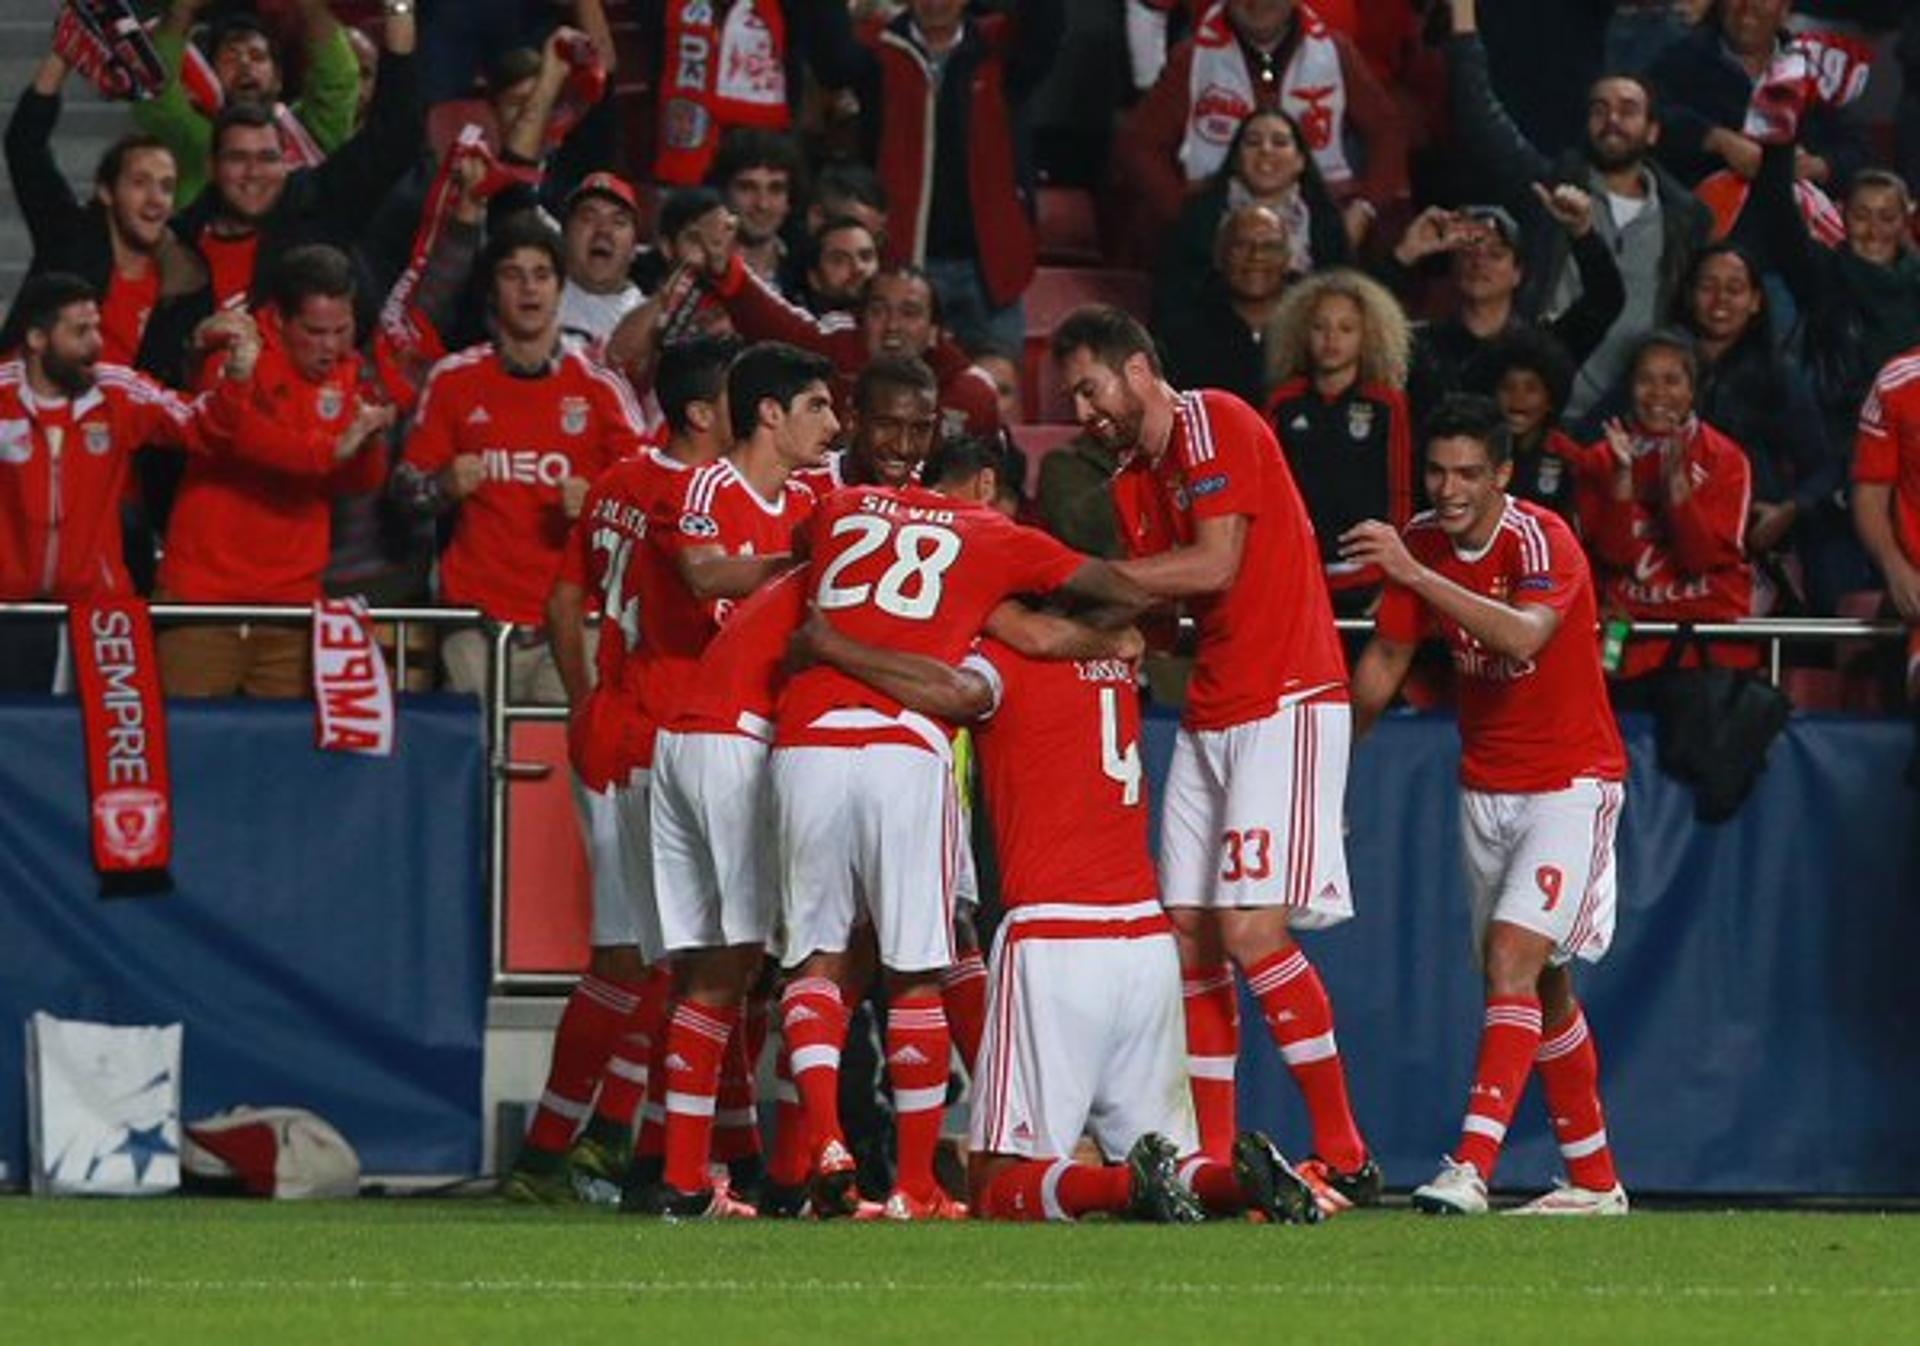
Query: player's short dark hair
{"points": [[893, 371], [509, 67], [1472, 416], [114, 162], [523, 229], [683, 207], [250, 115], [692, 371], [962, 458], [849, 180], [1538, 352], [835, 224], [41, 300], [908, 271], [747, 147], [1113, 335], [1667, 339], [770, 371], [309, 270], [237, 24]]}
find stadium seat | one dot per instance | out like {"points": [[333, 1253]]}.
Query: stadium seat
{"points": [[1037, 441], [1069, 227], [1054, 293]]}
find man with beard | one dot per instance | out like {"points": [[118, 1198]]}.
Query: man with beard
{"points": [[69, 423], [245, 68], [846, 255], [118, 242], [258, 206], [1649, 221]]}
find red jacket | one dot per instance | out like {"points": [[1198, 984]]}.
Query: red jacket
{"points": [[63, 470], [909, 144], [259, 529], [968, 399], [1666, 561]]}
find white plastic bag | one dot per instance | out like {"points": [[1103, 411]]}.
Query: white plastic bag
{"points": [[103, 1108]]}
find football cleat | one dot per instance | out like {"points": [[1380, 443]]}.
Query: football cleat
{"points": [[676, 1207], [903, 1205], [1457, 1189], [779, 1202], [539, 1180], [1159, 1197], [1338, 1191], [599, 1160], [1566, 1199], [1271, 1185], [834, 1188]]}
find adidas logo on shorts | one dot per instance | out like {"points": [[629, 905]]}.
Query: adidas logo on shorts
{"points": [[907, 1056]]}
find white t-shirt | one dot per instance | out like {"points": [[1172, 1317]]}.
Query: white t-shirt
{"points": [[594, 316]]}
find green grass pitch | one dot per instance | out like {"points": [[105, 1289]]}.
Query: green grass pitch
{"points": [[470, 1271]]}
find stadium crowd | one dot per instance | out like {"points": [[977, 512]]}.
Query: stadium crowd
{"points": [[709, 339]]}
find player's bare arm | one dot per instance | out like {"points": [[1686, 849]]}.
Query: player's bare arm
{"points": [[1516, 630], [567, 630], [956, 695], [1114, 597], [1376, 680], [1047, 635], [1873, 520], [1208, 565], [710, 573]]}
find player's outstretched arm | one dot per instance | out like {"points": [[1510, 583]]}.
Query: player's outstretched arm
{"points": [[1376, 680], [1046, 635], [1516, 631], [1208, 565], [1113, 597], [710, 573], [956, 695]]}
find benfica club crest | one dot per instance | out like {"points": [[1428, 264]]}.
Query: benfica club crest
{"points": [[98, 437], [128, 821], [330, 403], [573, 415], [1360, 420]]}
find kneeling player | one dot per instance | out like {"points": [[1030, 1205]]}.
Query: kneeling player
{"points": [[1504, 583]]}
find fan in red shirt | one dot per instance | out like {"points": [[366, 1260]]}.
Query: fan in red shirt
{"points": [[1504, 584], [513, 432], [1886, 493], [865, 800], [603, 1046], [1251, 834], [258, 530]]}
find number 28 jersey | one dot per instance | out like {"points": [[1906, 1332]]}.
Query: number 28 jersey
{"points": [[1064, 779], [913, 571]]}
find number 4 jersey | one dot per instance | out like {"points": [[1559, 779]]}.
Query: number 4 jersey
{"points": [[1065, 782], [914, 571]]}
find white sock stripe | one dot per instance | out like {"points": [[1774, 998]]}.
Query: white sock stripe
{"points": [[694, 1020], [1586, 1145], [1210, 1067], [652, 1111], [1050, 1189], [570, 1109], [919, 1100], [690, 1105], [606, 993], [1477, 1125], [964, 971], [1513, 1018], [1308, 1050], [784, 1092], [1565, 1042], [820, 1057], [1195, 986], [633, 1071], [1191, 1165], [820, 986], [1273, 978], [739, 1118], [916, 1021]]}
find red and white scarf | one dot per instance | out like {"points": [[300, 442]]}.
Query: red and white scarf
{"points": [[732, 72], [352, 698], [118, 681], [106, 42], [1220, 95]]}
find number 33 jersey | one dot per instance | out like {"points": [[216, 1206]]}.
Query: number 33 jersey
{"points": [[913, 571]]}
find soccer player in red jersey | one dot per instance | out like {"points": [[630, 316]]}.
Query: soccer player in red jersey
{"points": [[604, 1042], [1251, 840], [865, 804], [1886, 498], [712, 882], [513, 432], [1504, 583]]}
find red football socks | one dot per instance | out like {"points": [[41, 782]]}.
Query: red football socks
{"points": [[1570, 1076], [1507, 1044], [1300, 1018], [1213, 1048]]}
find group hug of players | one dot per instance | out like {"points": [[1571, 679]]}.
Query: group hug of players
{"points": [[790, 638]]}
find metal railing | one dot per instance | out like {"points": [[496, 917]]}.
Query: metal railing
{"points": [[501, 713]]}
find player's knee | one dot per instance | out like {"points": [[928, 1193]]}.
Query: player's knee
{"points": [[1255, 934], [1515, 959], [617, 962]]}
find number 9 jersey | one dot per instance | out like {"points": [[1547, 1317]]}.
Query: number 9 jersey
{"points": [[914, 571]]}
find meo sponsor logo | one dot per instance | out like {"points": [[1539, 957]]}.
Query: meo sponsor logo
{"points": [[527, 467]]}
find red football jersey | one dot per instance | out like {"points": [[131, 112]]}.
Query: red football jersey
{"points": [[1527, 726], [735, 686], [908, 570], [1065, 780], [1887, 451], [531, 433], [601, 552], [1269, 640], [717, 508]]}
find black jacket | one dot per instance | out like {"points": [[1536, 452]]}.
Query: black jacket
{"points": [[1204, 343]]}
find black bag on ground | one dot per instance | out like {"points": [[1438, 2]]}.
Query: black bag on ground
{"points": [[1714, 727]]}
